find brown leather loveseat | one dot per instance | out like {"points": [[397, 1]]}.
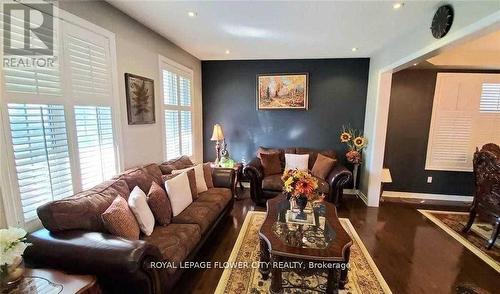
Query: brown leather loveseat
{"points": [[75, 240], [264, 187]]}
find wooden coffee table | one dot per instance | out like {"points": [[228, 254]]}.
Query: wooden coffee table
{"points": [[287, 245]]}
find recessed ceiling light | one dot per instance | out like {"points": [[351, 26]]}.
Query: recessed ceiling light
{"points": [[192, 14], [227, 51], [354, 49], [397, 5], [415, 64]]}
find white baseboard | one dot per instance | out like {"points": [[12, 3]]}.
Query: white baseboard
{"points": [[363, 197], [427, 196], [245, 184]]}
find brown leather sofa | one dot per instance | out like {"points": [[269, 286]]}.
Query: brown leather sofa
{"points": [[265, 187], [75, 240]]}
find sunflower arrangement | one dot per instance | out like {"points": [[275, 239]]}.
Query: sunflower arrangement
{"points": [[299, 183], [355, 142]]}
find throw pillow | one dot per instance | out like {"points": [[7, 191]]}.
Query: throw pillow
{"points": [[201, 185], [120, 221], [296, 161], [138, 203], [271, 163], [207, 172], [322, 166], [159, 204], [192, 182], [179, 193]]}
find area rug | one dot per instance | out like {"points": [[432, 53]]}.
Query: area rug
{"points": [[364, 276], [454, 222]]}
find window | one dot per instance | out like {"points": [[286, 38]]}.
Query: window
{"points": [[60, 120], [465, 115], [178, 111]]}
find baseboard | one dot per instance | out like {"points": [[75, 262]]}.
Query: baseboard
{"points": [[246, 184], [427, 196], [363, 197]]}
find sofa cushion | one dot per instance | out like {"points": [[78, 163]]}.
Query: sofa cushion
{"points": [[270, 163], [274, 183], [201, 213], [137, 177], [175, 241], [159, 204], [201, 185], [178, 163], [119, 220], [207, 172], [154, 171], [83, 210], [322, 166], [314, 153], [219, 196]]}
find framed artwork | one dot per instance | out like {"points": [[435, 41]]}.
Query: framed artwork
{"points": [[283, 91], [140, 94]]}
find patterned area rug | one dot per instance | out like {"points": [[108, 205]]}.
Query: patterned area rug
{"points": [[453, 223], [364, 277]]}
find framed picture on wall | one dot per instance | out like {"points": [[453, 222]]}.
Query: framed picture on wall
{"points": [[140, 95], [283, 91]]}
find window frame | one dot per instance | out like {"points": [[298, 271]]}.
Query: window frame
{"points": [[186, 72], [8, 176]]}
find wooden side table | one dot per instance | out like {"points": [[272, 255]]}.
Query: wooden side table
{"points": [[238, 168], [54, 281]]}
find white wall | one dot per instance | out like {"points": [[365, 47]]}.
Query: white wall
{"points": [[470, 17], [137, 50]]}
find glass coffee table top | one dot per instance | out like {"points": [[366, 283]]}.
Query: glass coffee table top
{"points": [[313, 233]]}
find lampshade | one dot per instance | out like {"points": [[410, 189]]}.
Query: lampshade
{"points": [[217, 135], [386, 176]]}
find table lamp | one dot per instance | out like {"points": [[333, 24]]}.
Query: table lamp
{"points": [[217, 135]]}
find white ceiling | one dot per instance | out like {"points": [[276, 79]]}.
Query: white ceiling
{"points": [[266, 30], [480, 53]]}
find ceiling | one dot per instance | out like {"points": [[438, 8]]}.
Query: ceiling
{"points": [[480, 53], [267, 30]]}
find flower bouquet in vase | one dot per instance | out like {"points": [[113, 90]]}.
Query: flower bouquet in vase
{"points": [[12, 246], [355, 142], [301, 187]]}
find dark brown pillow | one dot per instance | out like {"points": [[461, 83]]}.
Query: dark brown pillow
{"points": [[271, 163], [137, 177], [159, 204], [192, 182], [207, 173], [322, 166], [119, 220]]}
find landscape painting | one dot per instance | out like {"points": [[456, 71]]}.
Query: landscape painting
{"points": [[140, 100], [282, 91]]}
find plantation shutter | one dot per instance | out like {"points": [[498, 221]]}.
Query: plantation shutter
{"points": [[95, 144], [463, 118], [35, 81], [41, 154], [177, 113]]}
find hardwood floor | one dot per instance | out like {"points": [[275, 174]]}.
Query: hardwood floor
{"points": [[413, 254]]}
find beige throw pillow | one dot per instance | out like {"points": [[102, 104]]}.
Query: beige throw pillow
{"points": [[179, 193], [138, 203], [201, 185], [296, 161], [322, 166]]}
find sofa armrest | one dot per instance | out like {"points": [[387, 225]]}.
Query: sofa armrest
{"points": [[108, 257], [338, 177], [254, 171], [224, 178]]}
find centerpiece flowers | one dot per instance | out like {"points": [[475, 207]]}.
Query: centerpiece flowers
{"points": [[12, 246], [301, 186]]}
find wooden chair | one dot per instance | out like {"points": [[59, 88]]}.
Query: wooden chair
{"points": [[487, 189]]}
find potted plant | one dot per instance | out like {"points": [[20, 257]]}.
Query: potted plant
{"points": [[355, 142], [12, 246], [300, 186]]}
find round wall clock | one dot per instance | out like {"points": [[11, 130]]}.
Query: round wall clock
{"points": [[441, 23]]}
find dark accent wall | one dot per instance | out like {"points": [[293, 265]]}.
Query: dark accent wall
{"points": [[410, 111], [337, 96]]}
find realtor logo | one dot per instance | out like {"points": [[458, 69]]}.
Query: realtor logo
{"points": [[28, 31]]}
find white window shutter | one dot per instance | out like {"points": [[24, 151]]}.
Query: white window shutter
{"points": [[490, 98], [41, 154], [95, 144]]}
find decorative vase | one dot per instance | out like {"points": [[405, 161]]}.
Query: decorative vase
{"points": [[301, 202], [11, 274]]}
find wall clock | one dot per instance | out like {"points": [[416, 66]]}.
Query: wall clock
{"points": [[441, 23]]}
